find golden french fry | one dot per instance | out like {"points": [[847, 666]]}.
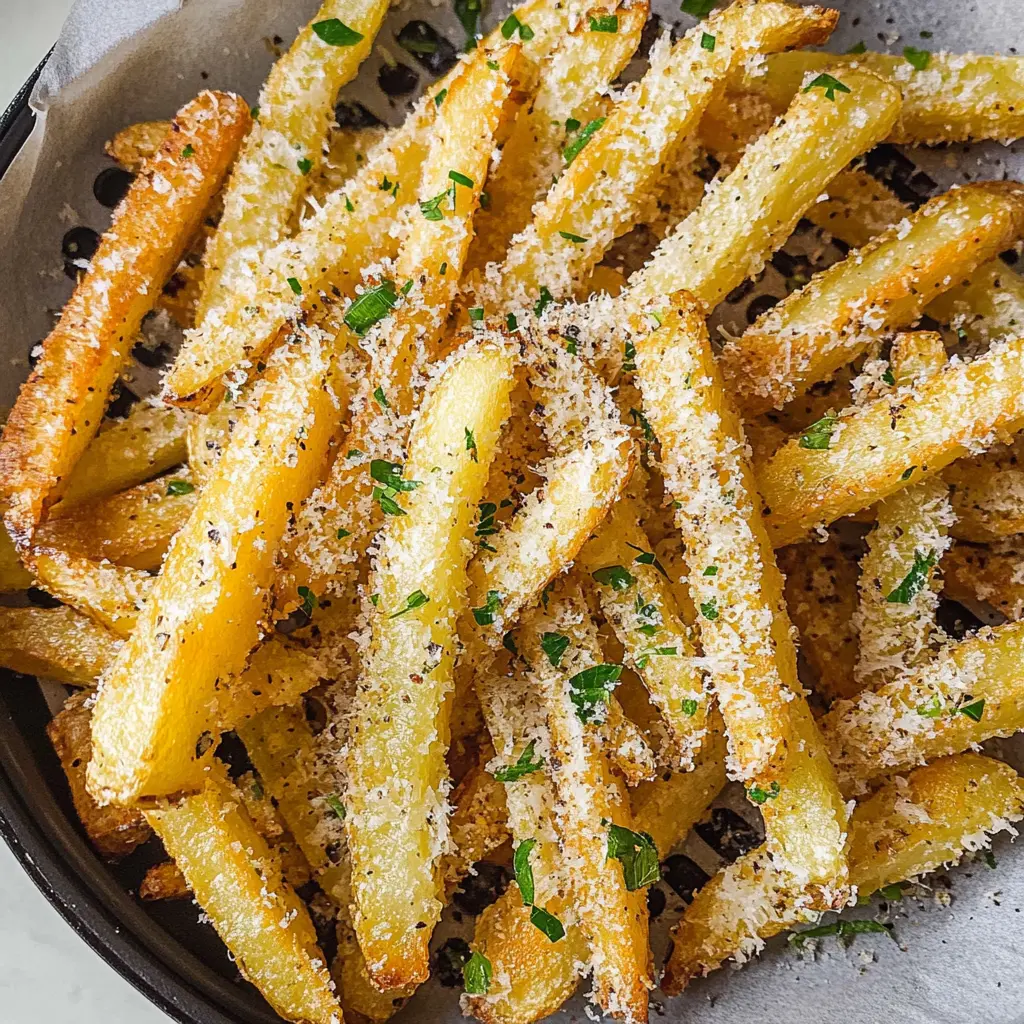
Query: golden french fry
{"points": [[898, 588], [164, 881], [396, 767], [347, 149], [580, 217], [57, 643], [745, 631], [285, 143], [969, 692], [993, 575], [841, 465], [13, 575], [114, 831], [987, 492], [238, 883], [987, 308], [637, 600], [157, 708], [957, 97], [749, 214], [573, 82], [878, 289], [60, 406], [133, 145], [148, 442], [909, 827]]}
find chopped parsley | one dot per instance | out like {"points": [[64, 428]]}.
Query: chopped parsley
{"points": [[380, 398], [857, 48], [486, 613], [915, 580], [545, 299], [974, 710], [637, 854], [846, 931], [460, 179], [343, 533], [439, 98], [829, 84], [920, 59], [889, 378], [574, 148], [511, 25], [486, 527], [759, 795], [707, 42], [293, 283], [931, 708], [629, 357], [647, 558], [188, 151], [476, 314], [471, 444], [335, 804], [711, 570], [617, 577], [547, 923], [390, 475], [908, 473], [525, 765], [337, 33], [709, 609], [309, 601], [417, 599], [476, 975], [431, 208], [178, 487], [604, 23], [570, 237], [523, 871], [818, 436], [639, 419], [698, 8], [689, 707], [589, 690], [554, 645], [512, 322], [468, 12], [371, 307], [654, 652], [305, 165]]}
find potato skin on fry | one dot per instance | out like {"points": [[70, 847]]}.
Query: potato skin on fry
{"points": [[61, 404]]}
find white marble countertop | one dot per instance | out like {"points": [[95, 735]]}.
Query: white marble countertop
{"points": [[49, 973]]}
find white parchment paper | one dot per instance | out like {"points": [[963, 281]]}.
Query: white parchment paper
{"points": [[959, 956]]}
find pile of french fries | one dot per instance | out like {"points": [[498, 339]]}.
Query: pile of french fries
{"points": [[456, 526]]}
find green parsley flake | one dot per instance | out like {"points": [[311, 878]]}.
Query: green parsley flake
{"points": [[417, 599], [512, 322], [293, 283], [908, 473], [486, 613], [647, 558], [571, 124], [920, 59], [709, 609], [348, 205], [178, 487], [460, 179], [188, 151], [468, 12], [689, 707], [759, 795], [371, 307], [522, 870], [857, 48], [637, 854], [888, 378], [547, 923], [846, 931], [974, 710], [335, 804], [589, 690], [343, 533], [305, 165], [639, 419], [892, 892], [707, 42], [337, 33], [542, 303], [309, 601], [554, 645], [471, 444], [476, 975], [380, 398], [390, 475], [698, 8], [931, 708], [654, 652], [829, 84], [604, 23], [511, 25], [575, 147], [617, 577], [711, 570], [476, 314], [570, 237], [525, 765], [818, 436], [439, 98], [915, 580]]}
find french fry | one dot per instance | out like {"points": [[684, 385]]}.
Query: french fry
{"points": [[580, 217], [639, 604], [898, 589], [967, 693], [114, 831], [821, 598], [987, 308], [60, 406], [148, 442], [13, 575], [336, 524], [572, 85], [749, 214], [237, 882], [286, 142], [858, 208], [992, 575], [843, 465], [592, 813], [164, 881], [204, 613], [396, 767], [987, 492], [909, 827], [878, 289], [957, 97], [55, 643], [347, 149], [744, 628], [136, 143]]}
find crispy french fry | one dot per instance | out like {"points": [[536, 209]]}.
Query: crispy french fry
{"points": [[338, 521], [148, 442], [843, 465], [744, 628], [858, 208], [57, 643], [987, 308], [744, 218], [396, 768], [347, 150], [580, 217], [987, 492], [875, 290], [60, 406], [994, 576], [204, 613], [114, 831], [969, 692], [164, 881], [296, 108], [592, 807], [958, 97], [909, 827], [572, 85], [898, 589], [237, 882], [821, 598], [133, 145], [13, 575], [639, 604]]}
